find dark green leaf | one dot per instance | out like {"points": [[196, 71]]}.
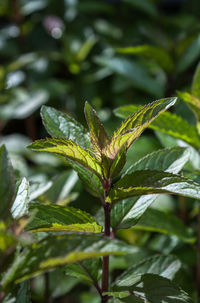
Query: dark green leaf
{"points": [[98, 135], [90, 181], [127, 212], [60, 218], [62, 125], [7, 187], [155, 289], [165, 266], [87, 270], [146, 182]]}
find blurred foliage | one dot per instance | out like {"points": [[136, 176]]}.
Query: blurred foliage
{"points": [[111, 53]]}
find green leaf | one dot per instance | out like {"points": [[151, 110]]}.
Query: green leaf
{"points": [[144, 116], [7, 183], [196, 83], [90, 181], [168, 159], [59, 218], [146, 182], [158, 221], [150, 52], [127, 212], [165, 266], [133, 72], [155, 289], [168, 123], [87, 270], [98, 135], [192, 101], [20, 294], [20, 205], [62, 125], [59, 250], [134, 125], [189, 56], [69, 150]]}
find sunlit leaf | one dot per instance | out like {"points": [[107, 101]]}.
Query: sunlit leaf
{"points": [[59, 218], [168, 123], [70, 150], [134, 125]]}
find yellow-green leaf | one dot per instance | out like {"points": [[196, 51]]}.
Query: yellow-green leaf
{"points": [[59, 218], [69, 150], [54, 251]]}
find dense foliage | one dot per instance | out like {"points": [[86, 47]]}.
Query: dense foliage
{"points": [[101, 214]]}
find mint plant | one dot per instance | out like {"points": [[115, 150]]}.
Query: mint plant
{"points": [[124, 197]]}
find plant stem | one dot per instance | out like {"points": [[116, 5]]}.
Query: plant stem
{"points": [[198, 256], [46, 291], [105, 265]]}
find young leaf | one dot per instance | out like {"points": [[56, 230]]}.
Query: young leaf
{"points": [[165, 266], [20, 205], [158, 221], [134, 125], [98, 135], [7, 183], [59, 250], [168, 123], [70, 150], [59, 218], [146, 115], [126, 213], [155, 289], [146, 182], [61, 125]]}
